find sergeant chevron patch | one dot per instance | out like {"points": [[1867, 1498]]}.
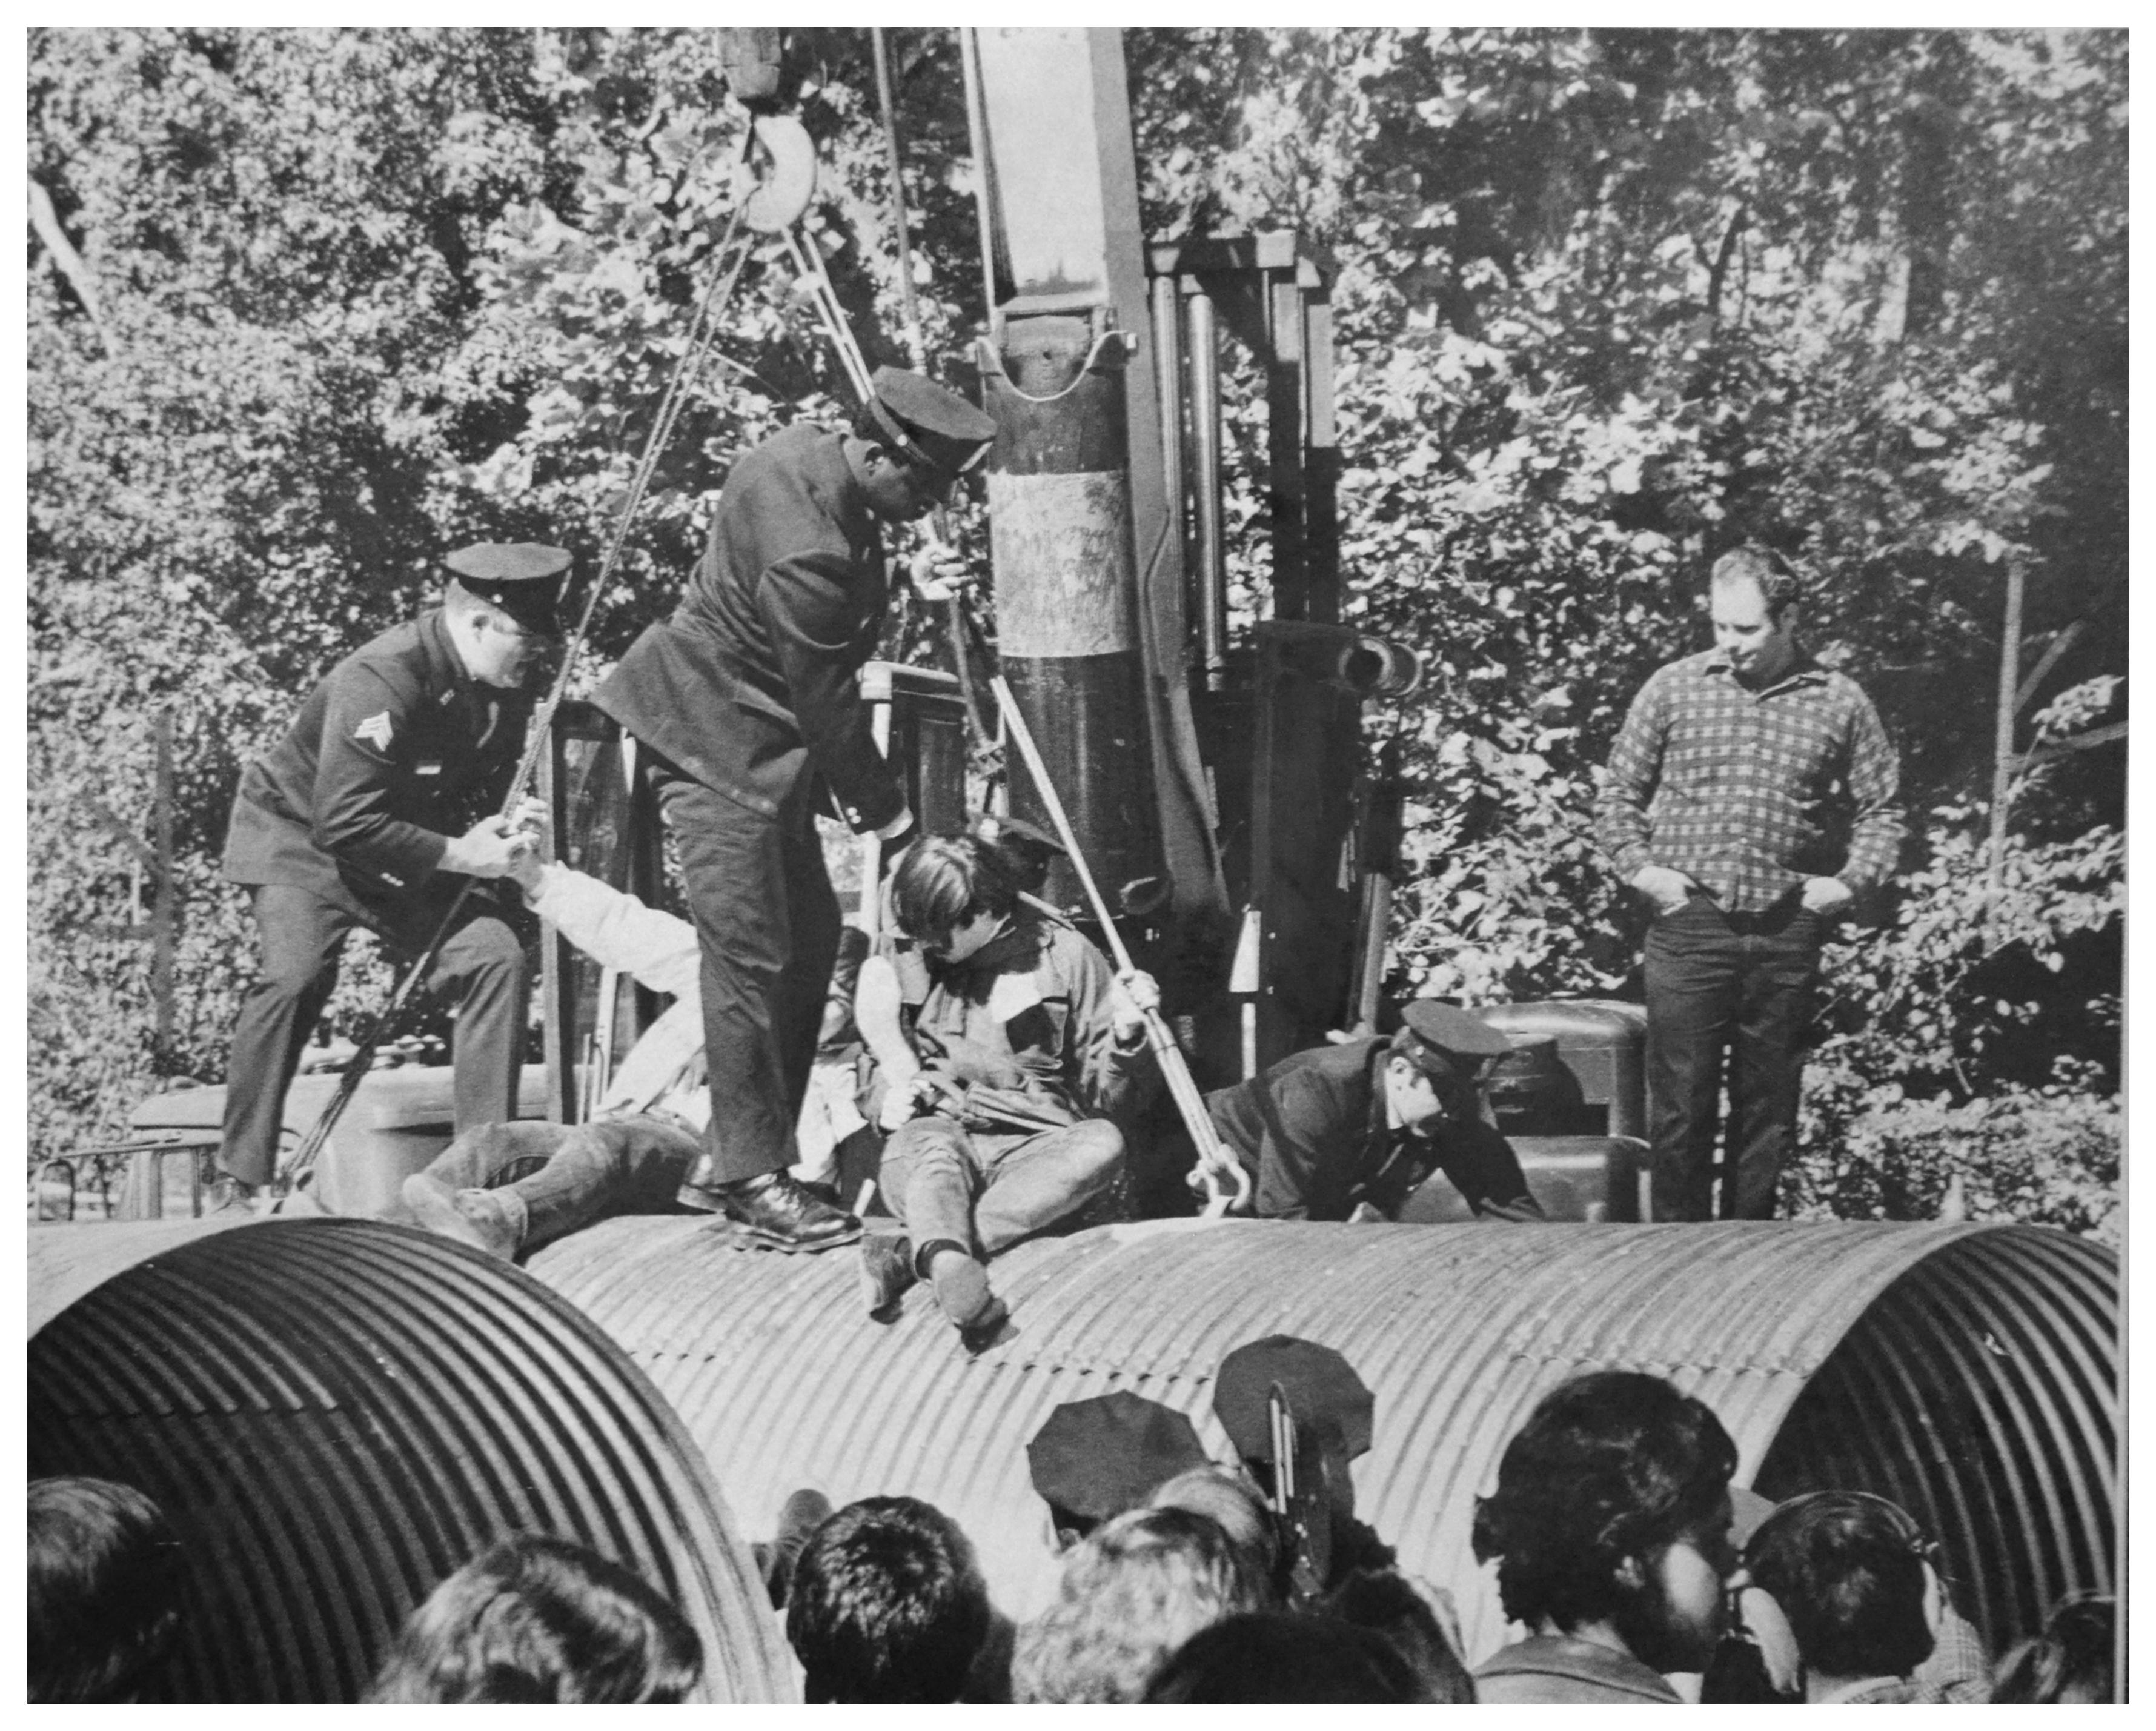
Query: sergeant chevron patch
{"points": [[375, 731]]}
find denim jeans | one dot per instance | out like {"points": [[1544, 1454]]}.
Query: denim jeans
{"points": [[570, 1175], [980, 1189], [1739, 984]]}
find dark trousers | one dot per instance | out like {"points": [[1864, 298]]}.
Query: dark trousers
{"points": [[569, 1176], [480, 964], [980, 1189], [1739, 984], [768, 927]]}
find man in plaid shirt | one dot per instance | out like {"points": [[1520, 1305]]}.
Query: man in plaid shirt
{"points": [[1750, 797]]}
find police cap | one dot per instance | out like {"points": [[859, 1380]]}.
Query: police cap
{"points": [[1445, 1041], [927, 425], [521, 577], [1322, 1388], [1096, 1458]]}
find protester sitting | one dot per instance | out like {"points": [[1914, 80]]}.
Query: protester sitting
{"points": [[1610, 1529], [887, 1605], [1023, 1051], [1096, 1459], [537, 1618], [1392, 1606], [1275, 1656], [1853, 1575], [2072, 1661], [1131, 1595], [105, 1573]]}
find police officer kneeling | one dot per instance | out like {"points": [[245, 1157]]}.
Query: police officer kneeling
{"points": [[1350, 1132], [372, 810]]}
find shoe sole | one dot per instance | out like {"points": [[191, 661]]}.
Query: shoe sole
{"points": [[794, 1246]]}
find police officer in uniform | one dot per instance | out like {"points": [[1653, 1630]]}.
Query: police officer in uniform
{"points": [[746, 703], [373, 808], [1349, 1131]]}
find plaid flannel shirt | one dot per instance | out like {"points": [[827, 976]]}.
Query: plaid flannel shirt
{"points": [[1745, 792]]}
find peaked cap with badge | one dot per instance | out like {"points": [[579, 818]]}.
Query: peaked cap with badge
{"points": [[521, 577], [926, 424], [1447, 1042]]}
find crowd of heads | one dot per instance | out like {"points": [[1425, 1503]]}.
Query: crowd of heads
{"points": [[1612, 1527]]}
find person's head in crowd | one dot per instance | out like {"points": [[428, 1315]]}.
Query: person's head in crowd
{"points": [[1025, 850], [1610, 1521], [537, 1618], [1386, 1604], [1276, 1657], [952, 895], [2072, 1661], [1096, 1459], [1131, 1594], [806, 1510], [1852, 1574], [1333, 1411], [1236, 1504], [887, 1605], [1440, 1061], [105, 1573]]}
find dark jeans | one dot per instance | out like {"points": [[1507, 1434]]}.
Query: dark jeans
{"points": [[768, 927], [979, 1188], [1737, 984], [481, 963], [570, 1175]]}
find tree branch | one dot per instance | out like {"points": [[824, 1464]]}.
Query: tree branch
{"points": [[46, 222]]}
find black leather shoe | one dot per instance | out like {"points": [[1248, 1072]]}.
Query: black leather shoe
{"points": [[886, 1272], [773, 1208]]}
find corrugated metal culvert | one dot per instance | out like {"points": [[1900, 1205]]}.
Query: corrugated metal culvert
{"points": [[1970, 1371], [336, 1414]]}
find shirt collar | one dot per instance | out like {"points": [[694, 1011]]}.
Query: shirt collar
{"points": [[1586, 1660], [1803, 670]]}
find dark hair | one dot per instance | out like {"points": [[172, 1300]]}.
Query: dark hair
{"points": [[887, 1604], [1612, 1465], [945, 881], [538, 1618], [1382, 1602], [1779, 587], [2072, 1660], [106, 1572], [1848, 1571], [1276, 1656]]}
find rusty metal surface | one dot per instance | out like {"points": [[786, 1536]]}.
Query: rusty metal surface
{"points": [[336, 1414], [783, 1382]]}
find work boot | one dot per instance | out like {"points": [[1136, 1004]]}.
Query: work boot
{"points": [[229, 1195], [773, 1208], [963, 1291], [490, 1221], [886, 1270]]}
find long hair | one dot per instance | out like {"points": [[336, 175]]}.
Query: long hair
{"points": [[1612, 1465], [539, 1619], [105, 1573], [945, 881], [1132, 1593], [1848, 1571]]}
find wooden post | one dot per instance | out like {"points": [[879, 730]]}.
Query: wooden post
{"points": [[2002, 762], [166, 918]]}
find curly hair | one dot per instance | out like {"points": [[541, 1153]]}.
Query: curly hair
{"points": [[1609, 1466], [1132, 1593], [539, 1619], [105, 1573], [1779, 586], [887, 1604], [1848, 1571]]}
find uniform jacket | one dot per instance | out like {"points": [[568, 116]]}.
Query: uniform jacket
{"points": [[397, 751], [1556, 1668], [751, 682], [1311, 1132], [1021, 1036]]}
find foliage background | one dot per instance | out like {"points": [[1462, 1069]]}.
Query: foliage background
{"points": [[314, 305]]}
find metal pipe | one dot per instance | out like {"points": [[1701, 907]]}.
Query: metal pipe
{"points": [[1203, 346], [1167, 377]]}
